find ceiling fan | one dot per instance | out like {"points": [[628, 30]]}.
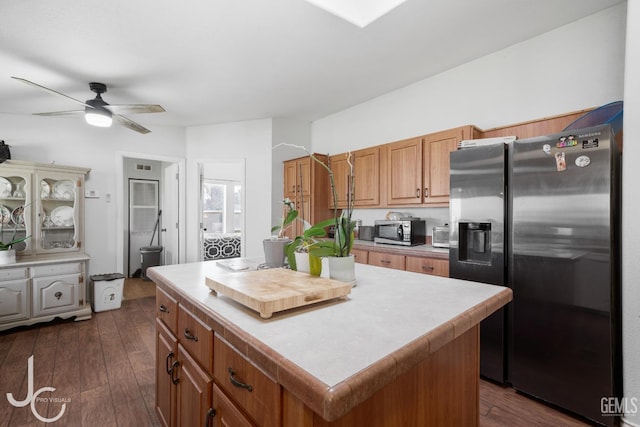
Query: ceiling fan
{"points": [[99, 113]]}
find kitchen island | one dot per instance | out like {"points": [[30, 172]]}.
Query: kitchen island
{"points": [[401, 349]]}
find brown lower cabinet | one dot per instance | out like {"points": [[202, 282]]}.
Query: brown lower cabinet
{"points": [[417, 264]]}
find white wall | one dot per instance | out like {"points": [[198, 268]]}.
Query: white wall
{"points": [[630, 214], [250, 140], [72, 142]]}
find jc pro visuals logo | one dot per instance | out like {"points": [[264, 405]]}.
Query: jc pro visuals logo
{"points": [[32, 397]]}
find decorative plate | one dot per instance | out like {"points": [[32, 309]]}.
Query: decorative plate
{"points": [[5, 187], [63, 190], [5, 215], [17, 216], [45, 190], [62, 216]]}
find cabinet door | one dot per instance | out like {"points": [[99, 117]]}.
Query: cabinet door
{"points": [[436, 151], [166, 356], [193, 392], [404, 172], [60, 197], [360, 256], [290, 174], [437, 267], [227, 414], [341, 170], [14, 300], [16, 209], [387, 260], [304, 177], [56, 294], [366, 169]]}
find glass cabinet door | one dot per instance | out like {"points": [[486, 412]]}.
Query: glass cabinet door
{"points": [[58, 212], [15, 210]]}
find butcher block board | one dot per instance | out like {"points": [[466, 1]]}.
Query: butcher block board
{"points": [[277, 289]]}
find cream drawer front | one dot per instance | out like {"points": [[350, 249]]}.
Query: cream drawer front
{"points": [[14, 300], [13, 274], [56, 269], [55, 294]]}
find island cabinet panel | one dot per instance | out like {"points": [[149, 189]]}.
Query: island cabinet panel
{"points": [[226, 413], [196, 337], [382, 259], [441, 390], [167, 310], [437, 267], [193, 392], [360, 256], [256, 393], [166, 356]]}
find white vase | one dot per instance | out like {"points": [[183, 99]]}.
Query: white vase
{"points": [[274, 251], [7, 257], [342, 268], [302, 262]]}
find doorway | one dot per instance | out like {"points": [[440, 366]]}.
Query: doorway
{"points": [[168, 172]]}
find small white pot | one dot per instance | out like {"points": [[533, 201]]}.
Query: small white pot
{"points": [[302, 262], [7, 257], [342, 268]]}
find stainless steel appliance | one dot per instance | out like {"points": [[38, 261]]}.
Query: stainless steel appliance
{"points": [[440, 237], [366, 233], [407, 232], [554, 239]]}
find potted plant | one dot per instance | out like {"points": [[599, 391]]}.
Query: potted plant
{"points": [[274, 246], [338, 250], [7, 253], [300, 253]]}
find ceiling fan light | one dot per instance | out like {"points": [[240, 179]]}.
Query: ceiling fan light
{"points": [[98, 118]]}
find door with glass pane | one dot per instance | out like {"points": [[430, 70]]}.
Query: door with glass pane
{"points": [[59, 199], [15, 210], [221, 219], [143, 215]]}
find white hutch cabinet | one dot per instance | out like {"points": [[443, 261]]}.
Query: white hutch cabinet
{"points": [[48, 278]]}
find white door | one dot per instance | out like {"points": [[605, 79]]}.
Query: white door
{"points": [[143, 214], [170, 214]]}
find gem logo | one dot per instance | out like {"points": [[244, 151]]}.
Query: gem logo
{"points": [[32, 397]]}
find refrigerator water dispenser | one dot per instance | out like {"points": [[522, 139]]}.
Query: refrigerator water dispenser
{"points": [[475, 242]]}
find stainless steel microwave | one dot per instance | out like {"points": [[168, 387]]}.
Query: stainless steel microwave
{"points": [[407, 232]]}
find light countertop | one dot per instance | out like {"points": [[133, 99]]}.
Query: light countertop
{"points": [[389, 315]]}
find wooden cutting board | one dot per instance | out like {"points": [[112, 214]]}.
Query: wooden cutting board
{"points": [[277, 289]]}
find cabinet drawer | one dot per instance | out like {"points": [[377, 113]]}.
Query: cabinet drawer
{"points": [[167, 310], [255, 393], [227, 414], [56, 269], [360, 256], [13, 274], [386, 260], [14, 300], [196, 337], [437, 267], [55, 294]]}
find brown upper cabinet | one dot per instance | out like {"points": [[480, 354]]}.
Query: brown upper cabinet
{"points": [[306, 183], [417, 169], [366, 177]]}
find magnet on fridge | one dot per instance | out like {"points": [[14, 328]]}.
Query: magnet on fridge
{"points": [[583, 161], [561, 164], [547, 149]]}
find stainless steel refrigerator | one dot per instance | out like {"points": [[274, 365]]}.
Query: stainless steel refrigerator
{"points": [[541, 216]]}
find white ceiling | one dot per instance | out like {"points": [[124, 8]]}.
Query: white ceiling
{"points": [[214, 61]]}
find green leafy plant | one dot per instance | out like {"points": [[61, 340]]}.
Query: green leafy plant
{"points": [[8, 245], [287, 219]]}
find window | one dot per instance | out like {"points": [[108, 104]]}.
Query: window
{"points": [[222, 207]]}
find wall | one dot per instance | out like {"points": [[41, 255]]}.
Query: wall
{"points": [[630, 215], [69, 141], [249, 141]]}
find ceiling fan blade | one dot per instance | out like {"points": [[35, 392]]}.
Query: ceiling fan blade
{"points": [[60, 113], [130, 124], [134, 108], [51, 91]]}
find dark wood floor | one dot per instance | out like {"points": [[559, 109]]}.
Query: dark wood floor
{"points": [[103, 369]]}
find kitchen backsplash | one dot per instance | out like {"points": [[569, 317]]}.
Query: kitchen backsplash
{"points": [[433, 216]]}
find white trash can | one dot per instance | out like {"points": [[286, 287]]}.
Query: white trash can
{"points": [[107, 291]]}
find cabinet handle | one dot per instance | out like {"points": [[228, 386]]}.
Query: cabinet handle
{"points": [[417, 193], [427, 268], [235, 382], [207, 418], [168, 368], [163, 309], [174, 365], [58, 295], [385, 261], [426, 192], [189, 336]]}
